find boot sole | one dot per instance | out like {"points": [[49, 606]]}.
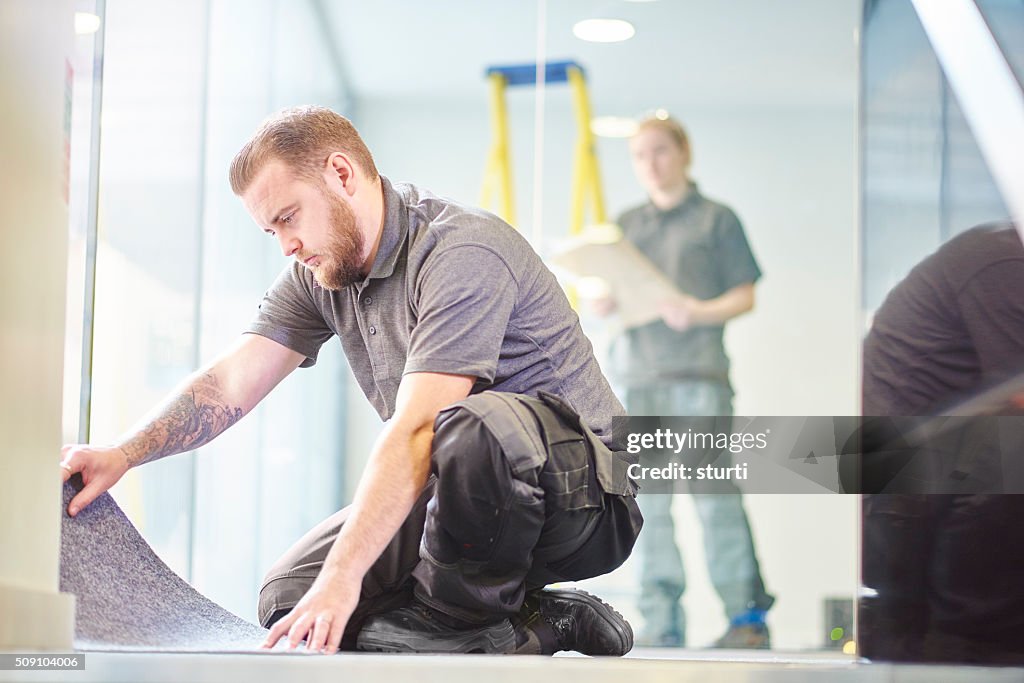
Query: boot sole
{"points": [[496, 639], [607, 613]]}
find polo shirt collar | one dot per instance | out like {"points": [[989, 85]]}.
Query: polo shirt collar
{"points": [[396, 227], [691, 198]]}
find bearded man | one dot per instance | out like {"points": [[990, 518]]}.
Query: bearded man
{"points": [[495, 474]]}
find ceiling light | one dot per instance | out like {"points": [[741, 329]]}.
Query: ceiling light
{"points": [[86, 23], [613, 126], [603, 30]]}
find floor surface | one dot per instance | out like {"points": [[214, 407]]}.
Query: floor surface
{"points": [[677, 666]]}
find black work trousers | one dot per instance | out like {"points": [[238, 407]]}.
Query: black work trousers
{"points": [[945, 570], [518, 498]]}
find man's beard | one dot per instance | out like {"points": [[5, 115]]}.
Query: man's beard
{"points": [[341, 261]]}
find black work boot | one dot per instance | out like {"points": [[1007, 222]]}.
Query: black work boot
{"points": [[419, 628], [553, 620]]}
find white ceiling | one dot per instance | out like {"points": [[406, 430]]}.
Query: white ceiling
{"points": [[711, 52]]}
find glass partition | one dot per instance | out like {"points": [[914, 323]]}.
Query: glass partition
{"points": [[181, 269], [769, 96], [772, 136], [942, 270], [774, 133]]}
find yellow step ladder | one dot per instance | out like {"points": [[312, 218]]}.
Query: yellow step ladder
{"points": [[586, 179]]}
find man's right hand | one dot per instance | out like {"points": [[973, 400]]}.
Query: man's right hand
{"points": [[101, 468]]}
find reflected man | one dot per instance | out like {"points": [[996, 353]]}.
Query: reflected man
{"points": [[945, 568]]}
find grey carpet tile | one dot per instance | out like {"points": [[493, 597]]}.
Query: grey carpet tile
{"points": [[128, 599]]}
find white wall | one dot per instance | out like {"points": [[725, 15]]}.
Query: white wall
{"points": [[35, 83]]}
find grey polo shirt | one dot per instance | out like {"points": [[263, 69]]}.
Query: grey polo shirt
{"points": [[453, 289], [700, 245]]}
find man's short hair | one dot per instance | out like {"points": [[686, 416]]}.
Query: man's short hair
{"points": [[303, 138], [662, 121]]}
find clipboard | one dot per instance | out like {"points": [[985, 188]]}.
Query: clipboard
{"points": [[600, 254]]}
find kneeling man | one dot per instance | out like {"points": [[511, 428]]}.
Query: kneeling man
{"points": [[496, 472]]}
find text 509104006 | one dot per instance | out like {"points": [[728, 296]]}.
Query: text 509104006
{"points": [[39, 661]]}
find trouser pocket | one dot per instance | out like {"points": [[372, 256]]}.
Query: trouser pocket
{"points": [[615, 532]]}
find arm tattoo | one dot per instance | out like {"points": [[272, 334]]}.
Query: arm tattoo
{"points": [[186, 422]]}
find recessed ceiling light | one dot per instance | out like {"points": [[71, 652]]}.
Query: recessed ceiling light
{"points": [[86, 23], [603, 30], [613, 126]]}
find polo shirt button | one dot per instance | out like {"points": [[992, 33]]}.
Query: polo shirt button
{"points": [[373, 330], [368, 300]]}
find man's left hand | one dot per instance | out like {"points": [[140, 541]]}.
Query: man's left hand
{"points": [[319, 617]]}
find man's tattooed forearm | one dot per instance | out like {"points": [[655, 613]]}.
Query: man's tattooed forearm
{"points": [[189, 421]]}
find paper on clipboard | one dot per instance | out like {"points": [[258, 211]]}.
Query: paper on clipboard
{"points": [[601, 252]]}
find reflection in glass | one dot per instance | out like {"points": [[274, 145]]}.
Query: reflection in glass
{"points": [[943, 569], [1004, 19], [940, 571]]}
